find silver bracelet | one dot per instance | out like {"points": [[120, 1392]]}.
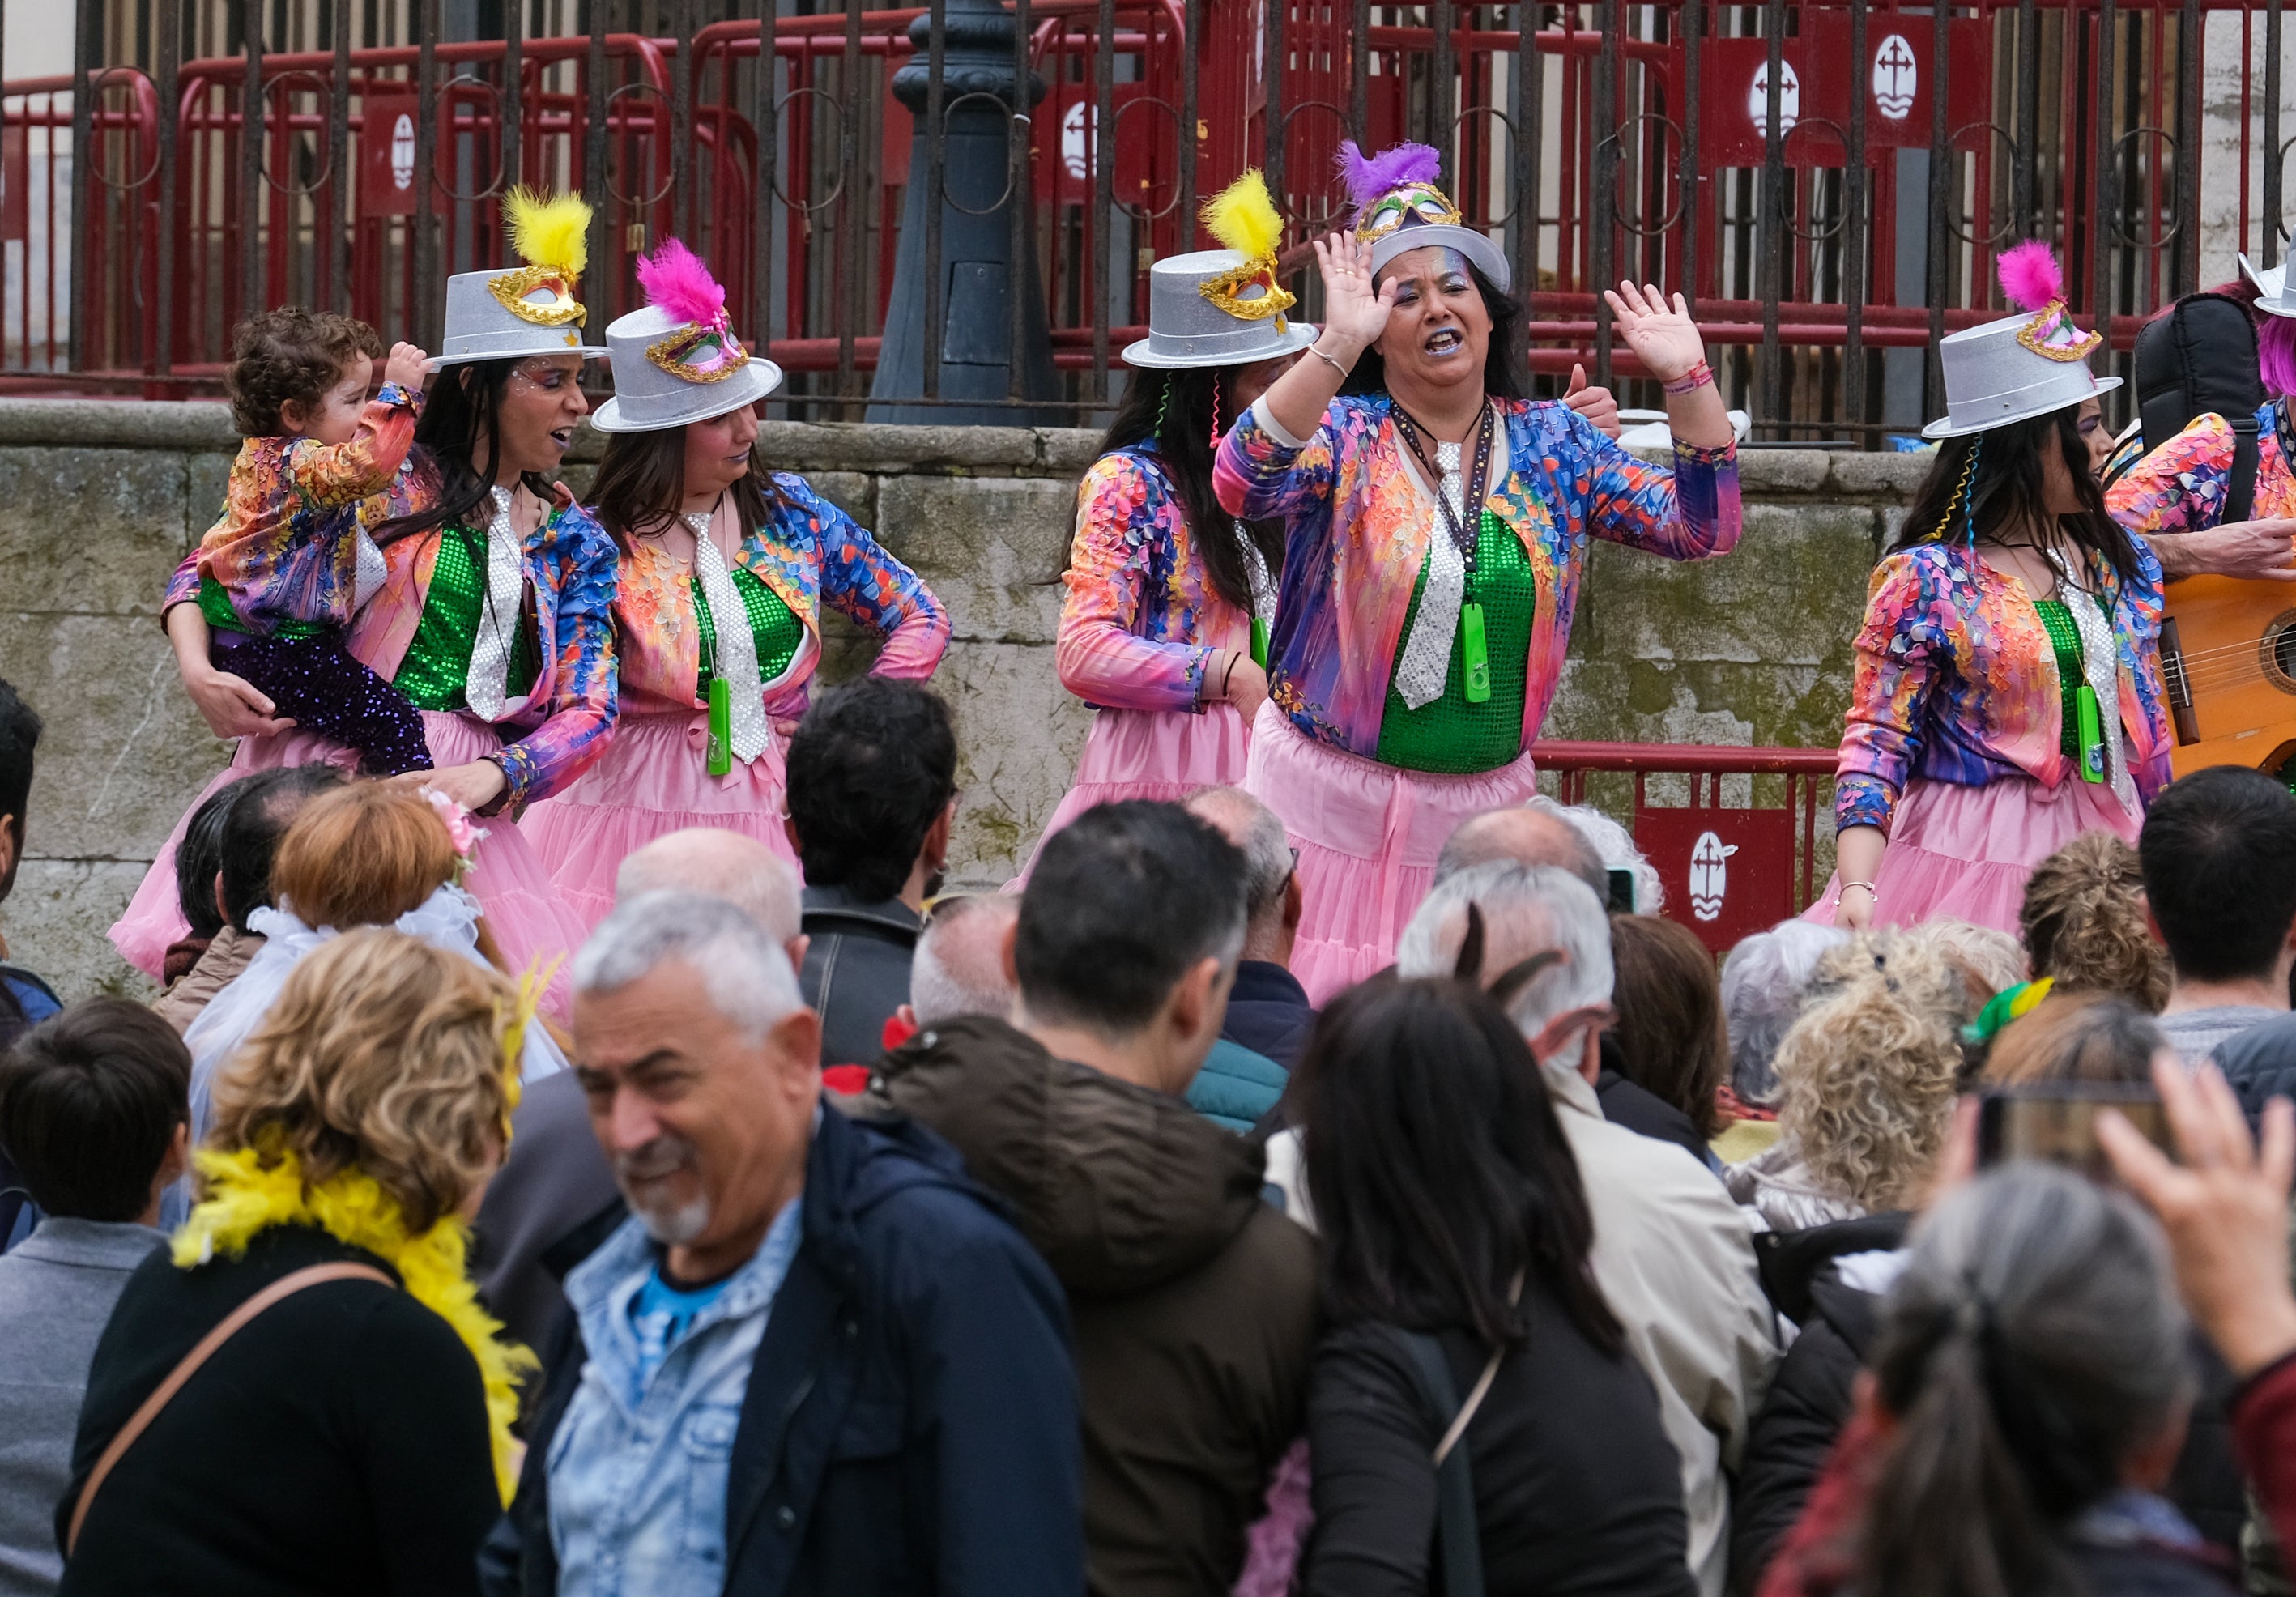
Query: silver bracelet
{"points": [[1330, 360]]}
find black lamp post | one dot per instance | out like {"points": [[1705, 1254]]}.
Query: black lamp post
{"points": [[978, 274]]}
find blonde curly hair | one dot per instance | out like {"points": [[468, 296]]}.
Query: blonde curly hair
{"points": [[384, 1053], [2083, 922], [1867, 1071]]}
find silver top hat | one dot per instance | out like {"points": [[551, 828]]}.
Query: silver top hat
{"points": [[502, 315], [1489, 259], [1188, 325], [668, 372], [2013, 369], [2272, 295]]}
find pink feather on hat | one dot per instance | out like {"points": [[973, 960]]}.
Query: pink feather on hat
{"points": [[1368, 176], [2029, 275], [675, 280]]}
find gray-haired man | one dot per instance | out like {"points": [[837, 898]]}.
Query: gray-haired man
{"points": [[815, 1358]]}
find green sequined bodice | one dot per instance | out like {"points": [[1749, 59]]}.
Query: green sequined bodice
{"points": [[775, 627], [1448, 734], [215, 604], [2064, 638], [438, 665]]}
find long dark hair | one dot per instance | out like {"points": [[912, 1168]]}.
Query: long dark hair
{"points": [[2006, 490], [1437, 1166], [1171, 414], [459, 420], [641, 482], [1502, 365]]}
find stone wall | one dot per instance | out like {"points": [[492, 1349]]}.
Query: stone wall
{"points": [[100, 500]]}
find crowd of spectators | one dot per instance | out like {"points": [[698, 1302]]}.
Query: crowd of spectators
{"points": [[872, 1239]]}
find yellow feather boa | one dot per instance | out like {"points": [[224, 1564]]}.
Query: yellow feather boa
{"points": [[245, 1195]]}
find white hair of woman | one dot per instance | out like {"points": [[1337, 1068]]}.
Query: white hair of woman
{"points": [[1764, 981]]}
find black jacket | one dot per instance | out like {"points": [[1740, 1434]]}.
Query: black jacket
{"points": [[337, 1444], [1809, 1400], [1628, 1103], [857, 970], [1809, 1397], [1269, 1012], [910, 1425], [1577, 1488]]}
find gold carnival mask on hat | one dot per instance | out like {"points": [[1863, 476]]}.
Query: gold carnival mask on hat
{"points": [[1400, 207], [2032, 281], [705, 349], [1395, 188], [1244, 218], [552, 237]]}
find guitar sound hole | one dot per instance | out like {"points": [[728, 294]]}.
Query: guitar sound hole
{"points": [[2280, 651]]}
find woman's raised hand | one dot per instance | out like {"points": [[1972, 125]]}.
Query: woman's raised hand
{"points": [[1664, 338], [1355, 313]]}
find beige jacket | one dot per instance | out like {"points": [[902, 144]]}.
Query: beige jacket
{"points": [[224, 959], [1675, 1259]]}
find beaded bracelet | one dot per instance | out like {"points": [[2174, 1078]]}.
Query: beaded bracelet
{"points": [[1699, 376]]}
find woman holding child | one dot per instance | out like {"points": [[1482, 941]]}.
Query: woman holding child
{"points": [[726, 565], [469, 584]]}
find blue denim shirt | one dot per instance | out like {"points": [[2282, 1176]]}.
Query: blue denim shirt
{"points": [[638, 1467]]}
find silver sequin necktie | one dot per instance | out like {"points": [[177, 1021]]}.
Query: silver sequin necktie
{"points": [[1425, 664], [486, 687], [2100, 667], [737, 645]]}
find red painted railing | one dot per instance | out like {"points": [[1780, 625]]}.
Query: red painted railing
{"points": [[1760, 864]]}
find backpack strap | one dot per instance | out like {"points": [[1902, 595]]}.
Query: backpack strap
{"points": [[1457, 1530], [2240, 490], [286, 1286]]}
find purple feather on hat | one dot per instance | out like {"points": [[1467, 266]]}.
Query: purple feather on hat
{"points": [[1368, 176]]}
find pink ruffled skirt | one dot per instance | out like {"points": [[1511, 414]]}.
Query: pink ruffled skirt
{"points": [[1964, 853], [529, 922], [653, 780], [1160, 754], [1367, 835]]}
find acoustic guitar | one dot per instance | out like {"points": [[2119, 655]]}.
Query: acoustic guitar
{"points": [[2229, 667]]}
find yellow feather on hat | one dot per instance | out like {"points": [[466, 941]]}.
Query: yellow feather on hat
{"points": [[550, 230], [1244, 218]]}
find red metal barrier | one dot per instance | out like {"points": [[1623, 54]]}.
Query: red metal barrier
{"points": [[1597, 139], [1728, 869]]}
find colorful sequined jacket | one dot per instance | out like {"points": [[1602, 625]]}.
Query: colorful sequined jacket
{"points": [[562, 725], [1358, 525], [1956, 681], [2182, 485], [809, 553], [284, 549], [1141, 617]]}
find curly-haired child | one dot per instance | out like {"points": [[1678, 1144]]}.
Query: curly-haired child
{"points": [[282, 572]]}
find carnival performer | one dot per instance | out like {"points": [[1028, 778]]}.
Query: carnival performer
{"points": [[1171, 599], [726, 565], [1165, 628], [2007, 691], [2174, 496], [1436, 526], [494, 613]]}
